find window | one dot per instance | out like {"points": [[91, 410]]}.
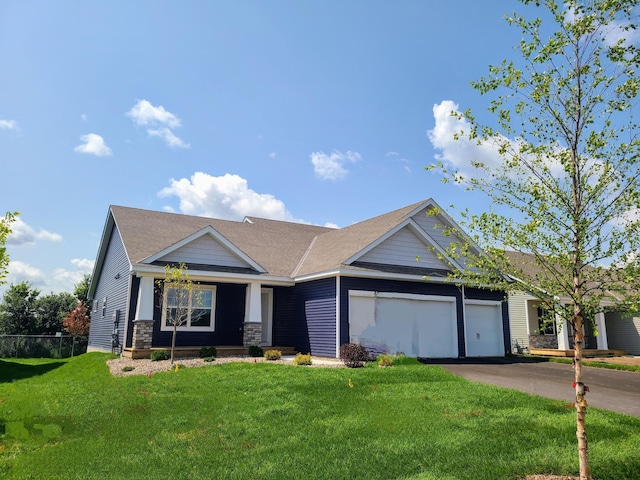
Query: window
{"points": [[104, 306], [546, 322], [193, 310]]}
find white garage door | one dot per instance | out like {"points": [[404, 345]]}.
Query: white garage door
{"points": [[417, 325], [483, 329]]}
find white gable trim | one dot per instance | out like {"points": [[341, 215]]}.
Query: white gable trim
{"points": [[213, 233], [416, 230]]}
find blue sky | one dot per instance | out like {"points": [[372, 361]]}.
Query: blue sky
{"points": [[306, 111]]}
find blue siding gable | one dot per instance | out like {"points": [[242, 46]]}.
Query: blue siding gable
{"points": [[113, 284]]}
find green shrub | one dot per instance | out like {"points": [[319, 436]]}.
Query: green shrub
{"points": [[302, 359], [273, 355], [255, 351], [354, 355], [157, 355], [206, 352], [128, 368], [385, 360], [209, 359]]}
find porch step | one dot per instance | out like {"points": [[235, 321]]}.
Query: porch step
{"points": [[554, 352]]}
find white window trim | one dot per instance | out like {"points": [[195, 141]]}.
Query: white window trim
{"points": [[188, 328]]}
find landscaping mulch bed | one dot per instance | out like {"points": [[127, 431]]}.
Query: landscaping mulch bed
{"points": [[121, 367]]}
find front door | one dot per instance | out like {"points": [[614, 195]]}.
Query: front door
{"points": [[266, 298]]}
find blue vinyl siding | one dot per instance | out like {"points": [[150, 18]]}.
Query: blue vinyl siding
{"points": [[113, 283], [305, 317], [229, 320]]}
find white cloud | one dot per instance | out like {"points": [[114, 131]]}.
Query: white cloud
{"points": [[94, 145], [461, 152], [23, 234], [168, 136], [331, 167], [273, 155], [144, 113], [83, 264], [83, 117], [618, 32], [8, 125], [23, 272], [227, 197], [161, 122]]}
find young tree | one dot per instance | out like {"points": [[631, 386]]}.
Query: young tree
{"points": [[18, 310], [178, 290], [5, 230], [51, 310], [77, 323], [81, 291], [565, 194]]}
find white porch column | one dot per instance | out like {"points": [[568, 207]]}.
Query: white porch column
{"points": [[563, 333], [252, 331], [253, 312], [601, 338], [143, 322], [144, 308]]}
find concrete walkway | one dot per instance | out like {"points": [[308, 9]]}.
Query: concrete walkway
{"points": [[614, 390]]}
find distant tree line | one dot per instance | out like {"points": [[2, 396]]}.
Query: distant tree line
{"points": [[24, 312]]}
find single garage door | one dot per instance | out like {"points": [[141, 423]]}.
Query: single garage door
{"points": [[483, 329], [416, 325]]}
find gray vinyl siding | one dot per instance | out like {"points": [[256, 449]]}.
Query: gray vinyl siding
{"points": [[113, 284], [404, 248], [623, 333], [204, 250], [518, 320]]}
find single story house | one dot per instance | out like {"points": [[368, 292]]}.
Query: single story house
{"points": [[380, 282], [616, 333]]}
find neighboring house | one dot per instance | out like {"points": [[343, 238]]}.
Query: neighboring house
{"points": [[379, 283], [529, 331]]}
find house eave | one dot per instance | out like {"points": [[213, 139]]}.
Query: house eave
{"points": [[347, 272], [206, 276]]}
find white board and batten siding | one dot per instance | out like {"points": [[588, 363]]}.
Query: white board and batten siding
{"points": [[403, 248], [204, 250], [416, 325], [518, 321]]}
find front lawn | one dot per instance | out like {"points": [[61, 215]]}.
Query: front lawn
{"points": [[71, 419]]}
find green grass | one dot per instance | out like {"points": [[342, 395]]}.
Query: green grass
{"points": [[592, 363], [70, 419]]}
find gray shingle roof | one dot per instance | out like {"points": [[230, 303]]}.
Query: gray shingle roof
{"points": [[283, 249]]}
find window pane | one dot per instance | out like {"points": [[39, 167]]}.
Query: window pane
{"points": [[171, 316], [201, 298], [201, 317], [177, 297]]}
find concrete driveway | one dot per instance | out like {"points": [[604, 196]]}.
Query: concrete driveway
{"points": [[609, 389]]}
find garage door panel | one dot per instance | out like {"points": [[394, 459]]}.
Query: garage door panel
{"points": [[418, 328], [483, 330]]}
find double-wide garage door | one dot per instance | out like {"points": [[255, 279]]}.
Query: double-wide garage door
{"points": [[421, 325]]}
